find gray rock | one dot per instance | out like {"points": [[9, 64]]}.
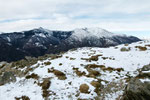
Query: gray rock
{"points": [[136, 90], [7, 77], [146, 68]]}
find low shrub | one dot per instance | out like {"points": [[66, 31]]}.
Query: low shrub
{"points": [[84, 88], [125, 49]]}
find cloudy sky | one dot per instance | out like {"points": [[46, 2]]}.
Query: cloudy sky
{"points": [[120, 16]]}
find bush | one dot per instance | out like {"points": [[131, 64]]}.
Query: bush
{"points": [[125, 49], [84, 88]]}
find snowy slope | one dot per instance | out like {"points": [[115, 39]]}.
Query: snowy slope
{"points": [[118, 64], [91, 32]]}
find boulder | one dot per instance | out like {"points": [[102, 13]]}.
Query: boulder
{"points": [[137, 90]]}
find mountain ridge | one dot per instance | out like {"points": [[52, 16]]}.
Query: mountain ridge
{"points": [[40, 41]]}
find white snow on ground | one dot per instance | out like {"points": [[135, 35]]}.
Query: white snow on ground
{"points": [[20, 88], [130, 61], [90, 32], [145, 80]]}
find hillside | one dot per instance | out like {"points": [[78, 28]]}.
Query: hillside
{"points": [[38, 42], [90, 73]]}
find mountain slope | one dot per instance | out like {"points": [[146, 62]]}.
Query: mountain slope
{"points": [[38, 42], [84, 73]]}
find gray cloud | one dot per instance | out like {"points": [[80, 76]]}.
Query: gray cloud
{"points": [[116, 15]]}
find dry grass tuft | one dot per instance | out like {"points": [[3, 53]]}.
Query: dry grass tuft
{"points": [[104, 58], [141, 48], [92, 58], [143, 75], [97, 86], [95, 66], [55, 56], [47, 63], [34, 76], [104, 68], [93, 73], [58, 73], [22, 98], [72, 58], [84, 88], [79, 73], [148, 45], [45, 86]]}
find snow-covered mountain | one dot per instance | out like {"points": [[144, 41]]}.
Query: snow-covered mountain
{"points": [[40, 41], [91, 32], [90, 73]]}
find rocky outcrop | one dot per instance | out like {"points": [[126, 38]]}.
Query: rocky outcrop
{"points": [[138, 87], [137, 90]]}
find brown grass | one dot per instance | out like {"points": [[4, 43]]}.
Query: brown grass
{"points": [[34, 76], [104, 58], [45, 86], [84, 88], [148, 45], [47, 63], [119, 69], [93, 73], [56, 56], [95, 66], [104, 68], [22, 98], [92, 58], [58, 73], [72, 58], [97, 86], [143, 75], [67, 57], [141, 48], [79, 73]]}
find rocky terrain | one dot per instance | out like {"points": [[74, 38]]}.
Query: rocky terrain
{"points": [[91, 73], [38, 42]]}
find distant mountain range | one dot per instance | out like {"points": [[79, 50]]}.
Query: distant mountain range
{"points": [[37, 42]]}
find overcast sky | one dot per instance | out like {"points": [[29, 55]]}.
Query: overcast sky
{"points": [[121, 16]]}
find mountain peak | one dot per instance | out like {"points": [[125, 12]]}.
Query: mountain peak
{"points": [[42, 30], [91, 32]]}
